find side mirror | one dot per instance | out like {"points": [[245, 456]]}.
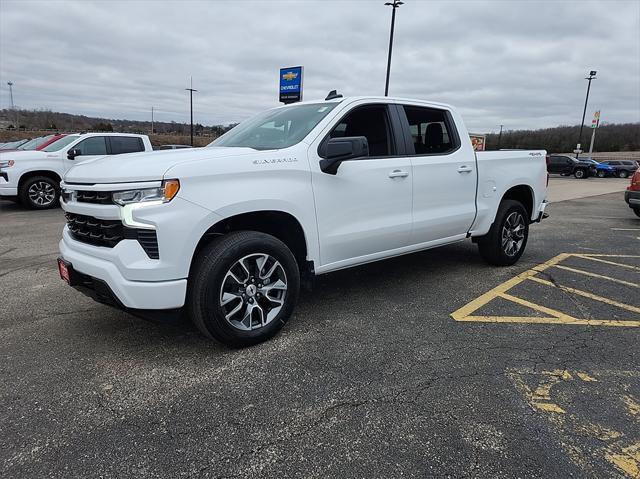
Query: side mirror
{"points": [[71, 154], [338, 150]]}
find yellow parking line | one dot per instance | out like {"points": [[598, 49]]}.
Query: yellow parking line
{"points": [[579, 292], [537, 307], [480, 301], [613, 263], [552, 316], [606, 255], [594, 275], [537, 320]]}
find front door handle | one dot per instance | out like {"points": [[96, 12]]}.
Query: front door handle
{"points": [[465, 169], [398, 174]]}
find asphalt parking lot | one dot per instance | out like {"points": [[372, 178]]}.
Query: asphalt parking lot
{"points": [[428, 365]]}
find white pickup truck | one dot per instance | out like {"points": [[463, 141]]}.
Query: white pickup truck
{"points": [[225, 233], [33, 177]]}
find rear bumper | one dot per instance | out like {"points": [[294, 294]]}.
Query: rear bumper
{"points": [[542, 214], [632, 198]]}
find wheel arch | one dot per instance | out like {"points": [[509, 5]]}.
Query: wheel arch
{"points": [[31, 173], [522, 193], [280, 224]]}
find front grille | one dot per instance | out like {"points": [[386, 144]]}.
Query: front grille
{"points": [[109, 233], [96, 197], [88, 229]]}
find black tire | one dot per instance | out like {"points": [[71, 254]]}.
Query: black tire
{"points": [[491, 245], [623, 174], [637, 211], [580, 174], [211, 272], [39, 193], [601, 174]]}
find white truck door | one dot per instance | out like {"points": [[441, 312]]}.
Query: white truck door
{"points": [[91, 147], [444, 175], [365, 208]]}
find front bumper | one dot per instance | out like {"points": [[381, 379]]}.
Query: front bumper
{"points": [[130, 294], [632, 198]]}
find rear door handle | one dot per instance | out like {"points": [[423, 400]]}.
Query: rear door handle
{"points": [[465, 169], [398, 174]]}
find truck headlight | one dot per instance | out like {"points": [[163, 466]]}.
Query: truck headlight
{"points": [[162, 194], [6, 163]]}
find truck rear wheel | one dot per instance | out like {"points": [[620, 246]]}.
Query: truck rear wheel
{"points": [[507, 238], [637, 212], [243, 287]]}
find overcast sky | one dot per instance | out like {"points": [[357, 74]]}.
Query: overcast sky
{"points": [[517, 63]]}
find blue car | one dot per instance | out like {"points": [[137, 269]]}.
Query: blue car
{"points": [[602, 169]]}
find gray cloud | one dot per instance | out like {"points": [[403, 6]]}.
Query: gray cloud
{"points": [[517, 63]]}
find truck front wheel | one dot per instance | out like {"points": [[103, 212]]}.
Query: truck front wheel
{"points": [[39, 193], [507, 238], [243, 287]]}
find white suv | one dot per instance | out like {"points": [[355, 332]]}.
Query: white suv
{"points": [[34, 177]]}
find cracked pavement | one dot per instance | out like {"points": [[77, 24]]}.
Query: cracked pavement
{"points": [[370, 378]]}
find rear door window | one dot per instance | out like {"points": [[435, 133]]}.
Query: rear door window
{"points": [[125, 144], [431, 130]]}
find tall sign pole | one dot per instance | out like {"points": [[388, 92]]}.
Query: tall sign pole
{"points": [[595, 123], [191, 90]]}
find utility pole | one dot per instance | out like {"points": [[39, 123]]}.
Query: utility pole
{"points": [[152, 120], [10, 83], [394, 5], [592, 76], [500, 137], [191, 90]]}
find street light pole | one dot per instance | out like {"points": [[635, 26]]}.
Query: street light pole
{"points": [[394, 5], [500, 137], [592, 76], [152, 120], [191, 90]]}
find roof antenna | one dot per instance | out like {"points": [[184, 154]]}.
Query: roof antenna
{"points": [[333, 94]]}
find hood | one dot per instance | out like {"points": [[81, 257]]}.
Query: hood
{"points": [[149, 166], [20, 155]]}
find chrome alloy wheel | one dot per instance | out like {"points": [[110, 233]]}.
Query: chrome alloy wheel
{"points": [[41, 193], [513, 234], [253, 291]]}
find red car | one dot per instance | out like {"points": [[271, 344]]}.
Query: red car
{"points": [[632, 195], [50, 139]]}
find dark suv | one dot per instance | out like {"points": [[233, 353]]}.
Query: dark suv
{"points": [[623, 168], [567, 165]]}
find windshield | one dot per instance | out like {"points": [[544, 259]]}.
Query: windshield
{"points": [[61, 143], [35, 143], [277, 128]]}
